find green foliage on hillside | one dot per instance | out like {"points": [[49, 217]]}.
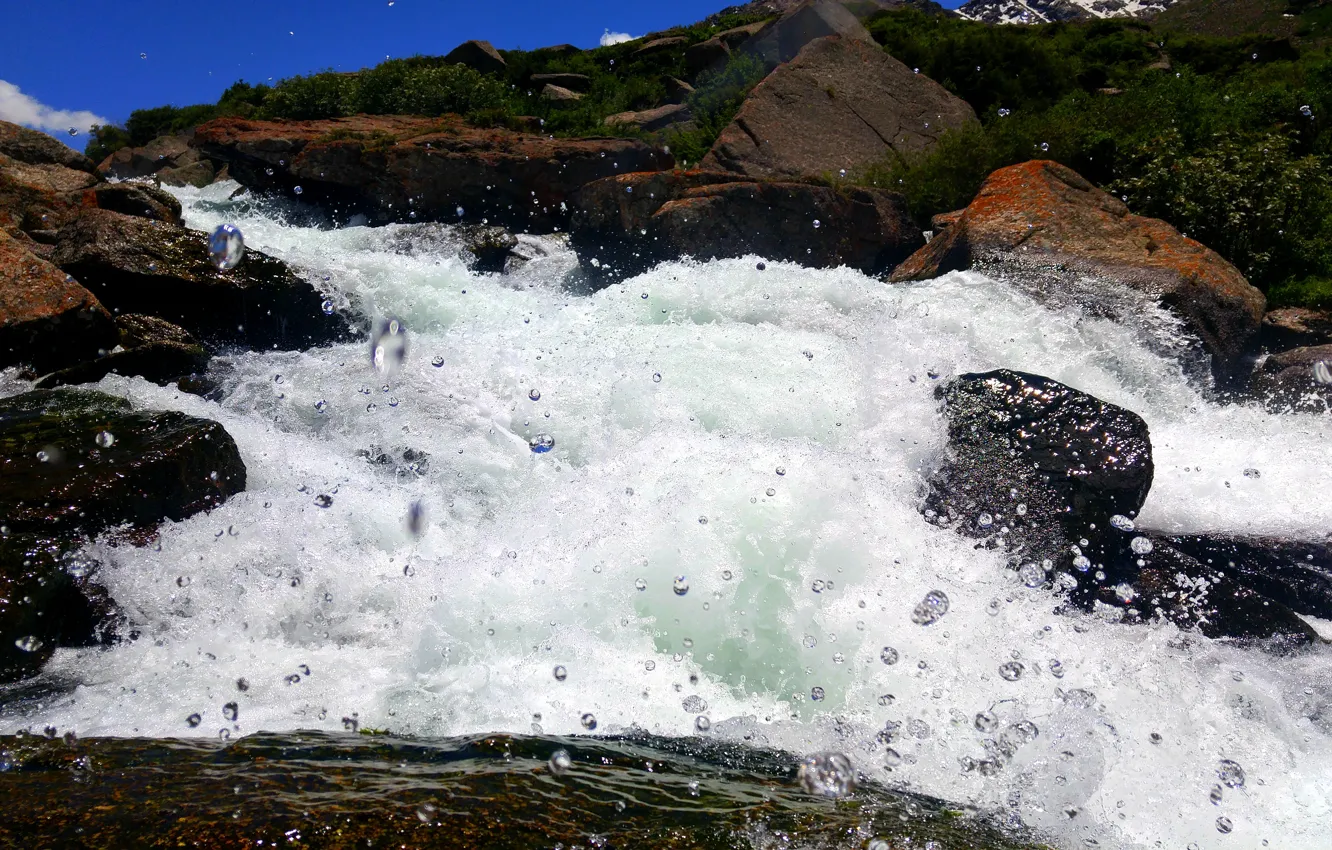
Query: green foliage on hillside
{"points": [[1226, 139]]}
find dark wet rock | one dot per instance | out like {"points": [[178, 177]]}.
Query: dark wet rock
{"points": [[1296, 327], [402, 168], [572, 82], [47, 600], [479, 56], [487, 249], [559, 94], [1296, 573], [47, 319], [841, 104], [196, 174], [627, 224], [1299, 379], [651, 120], [140, 266], [1043, 214], [34, 148], [164, 155], [1038, 457], [57, 478], [150, 348], [1056, 477], [139, 200]]}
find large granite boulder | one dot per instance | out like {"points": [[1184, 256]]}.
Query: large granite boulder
{"points": [[403, 168], [47, 319], [840, 105], [171, 159], [479, 56], [1056, 477], [1296, 327], [150, 348], [625, 225], [35, 148], [1041, 214], [135, 265], [76, 463]]}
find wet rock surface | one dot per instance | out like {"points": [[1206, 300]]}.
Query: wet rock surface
{"points": [[841, 104], [82, 461], [627, 224], [1041, 212], [150, 348], [47, 319], [1056, 477], [492, 791], [402, 168], [139, 266], [1299, 379]]}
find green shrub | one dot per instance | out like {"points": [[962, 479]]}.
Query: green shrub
{"points": [[104, 140]]}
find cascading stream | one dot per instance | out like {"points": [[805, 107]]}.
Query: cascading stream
{"points": [[765, 435]]}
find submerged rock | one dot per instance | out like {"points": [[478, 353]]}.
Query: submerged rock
{"points": [[138, 266], [842, 104], [1056, 477], [83, 461], [627, 224], [405, 168], [1043, 214], [488, 249]]}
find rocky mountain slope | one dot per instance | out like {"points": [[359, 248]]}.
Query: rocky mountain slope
{"points": [[1045, 11]]}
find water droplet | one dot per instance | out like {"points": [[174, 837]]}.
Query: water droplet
{"points": [[589, 721], [388, 346], [459, 211], [230, 712], [143, 55], [1012, 671], [656, 377], [1122, 522], [560, 762], [984, 520], [298, 190], [817, 224], [1004, 113], [889, 656], [226, 247], [1224, 825], [1141, 545], [680, 585], [1045, 146], [560, 673], [437, 362], [701, 724], [323, 500], [694, 704], [1230, 774], [931, 609], [534, 395], [762, 267], [1322, 372], [193, 721], [640, 585], [105, 439], [987, 721], [828, 775], [541, 443], [425, 812], [1032, 575], [327, 307], [1216, 795], [29, 643], [650, 666]]}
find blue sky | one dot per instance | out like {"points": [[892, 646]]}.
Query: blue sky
{"points": [[72, 62]]}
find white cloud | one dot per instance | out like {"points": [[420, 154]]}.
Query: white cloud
{"points": [[18, 108], [608, 38]]}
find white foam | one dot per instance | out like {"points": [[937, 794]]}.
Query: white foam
{"points": [[530, 561]]}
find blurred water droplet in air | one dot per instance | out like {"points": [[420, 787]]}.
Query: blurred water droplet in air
{"points": [[105, 439], [388, 346], [1230, 774], [1216, 795], [561, 673], [701, 724], [931, 609], [73, 131], [560, 762], [28, 643], [828, 775], [534, 395], [1012, 671], [694, 704], [425, 812], [327, 307], [226, 247], [589, 721], [541, 443], [986, 721], [1032, 575], [1322, 372], [323, 501], [1141, 545], [889, 655], [230, 712], [1121, 522], [298, 190], [416, 519], [1224, 825], [816, 693], [639, 584], [437, 362], [680, 585], [193, 720]]}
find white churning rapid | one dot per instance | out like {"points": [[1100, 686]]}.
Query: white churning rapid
{"points": [[777, 464]]}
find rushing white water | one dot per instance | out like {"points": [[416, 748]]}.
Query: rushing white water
{"points": [[777, 463]]}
